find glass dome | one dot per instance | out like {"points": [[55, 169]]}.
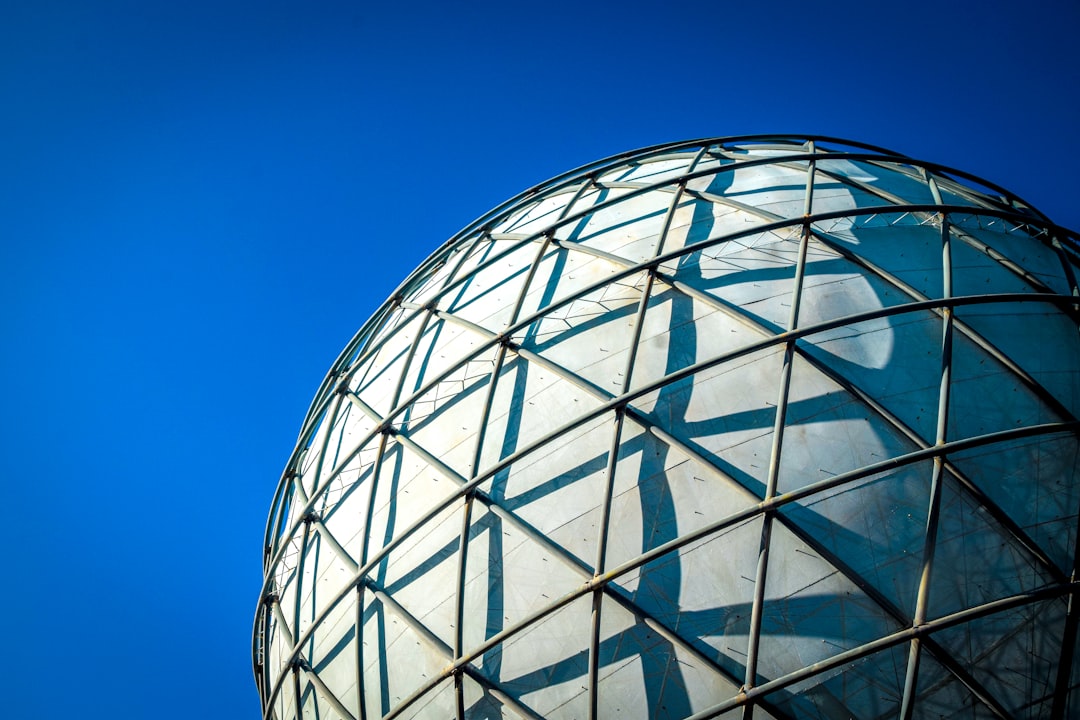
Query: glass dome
{"points": [[770, 426]]}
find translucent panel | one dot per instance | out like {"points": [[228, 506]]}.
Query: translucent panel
{"points": [[941, 694], [902, 182], [652, 170], [829, 431], [660, 495], [967, 535], [347, 495], [876, 527], [407, 490], [478, 253], [421, 575], [429, 284], [487, 297], [438, 702], [643, 674], [535, 215], [871, 687], [1014, 242], [443, 347], [811, 610], [559, 489], [694, 218], [529, 402], [836, 287], [984, 397], [562, 274], [776, 189], [725, 413], [953, 193], [1007, 655], [1041, 340], [590, 336], [670, 339], [895, 360], [906, 246], [332, 652], [751, 273], [707, 602], [976, 273], [701, 218], [510, 575], [629, 228], [1036, 481], [397, 660], [325, 573], [834, 193], [377, 378], [481, 703], [444, 419], [545, 666]]}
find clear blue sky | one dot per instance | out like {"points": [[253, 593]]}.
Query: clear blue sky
{"points": [[201, 202]]}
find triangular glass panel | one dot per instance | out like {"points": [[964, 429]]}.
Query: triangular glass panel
{"points": [[985, 397], [775, 190], [751, 273], [590, 336], [421, 573], [724, 413], [812, 610], [545, 666], [437, 702], [562, 273], [1028, 247], [443, 347], [530, 402], [444, 420], [1041, 340], [376, 378], [874, 525], [331, 652], [343, 505], [642, 674], [408, 488], [511, 574], [895, 360], [629, 227], [487, 298], [1014, 653], [940, 694], [976, 559], [829, 431], [1034, 480], [835, 287], [903, 245], [482, 704], [397, 660], [560, 488], [870, 687], [680, 330], [703, 591], [661, 494]]}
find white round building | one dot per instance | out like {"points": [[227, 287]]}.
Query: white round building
{"points": [[781, 427]]}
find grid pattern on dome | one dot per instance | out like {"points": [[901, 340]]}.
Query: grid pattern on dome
{"points": [[781, 426]]}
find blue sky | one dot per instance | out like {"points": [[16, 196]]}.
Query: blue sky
{"points": [[201, 202]]}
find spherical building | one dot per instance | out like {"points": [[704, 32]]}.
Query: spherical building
{"points": [[781, 427]]}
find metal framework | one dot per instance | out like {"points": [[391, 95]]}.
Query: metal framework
{"points": [[775, 427]]}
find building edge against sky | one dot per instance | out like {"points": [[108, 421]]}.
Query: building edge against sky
{"points": [[787, 423]]}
